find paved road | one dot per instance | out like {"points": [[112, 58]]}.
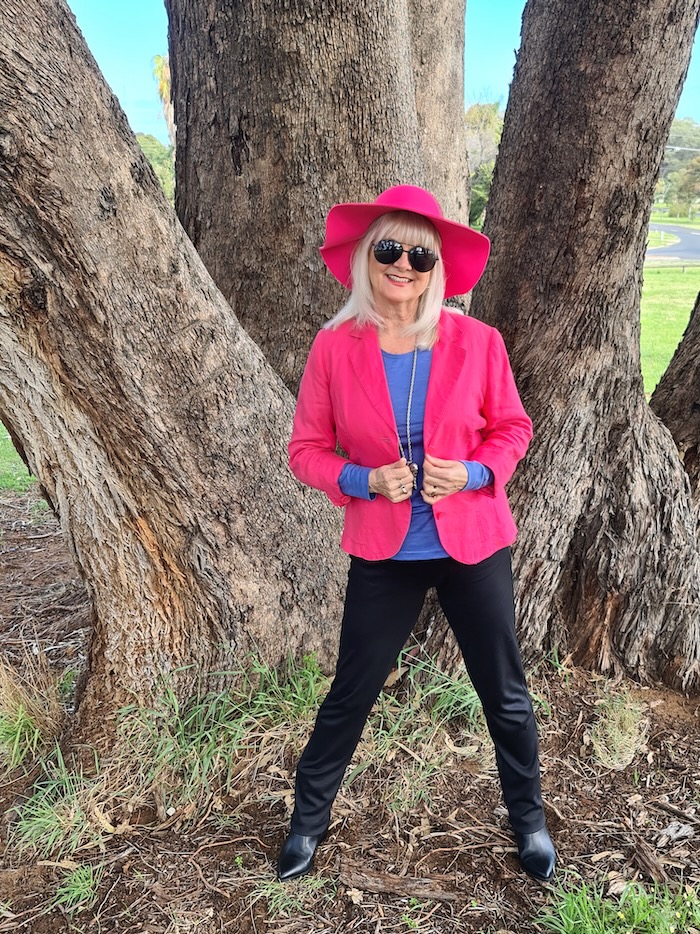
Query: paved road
{"points": [[688, 248]]}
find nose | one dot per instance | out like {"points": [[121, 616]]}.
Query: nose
{"points": [[402, 262]]}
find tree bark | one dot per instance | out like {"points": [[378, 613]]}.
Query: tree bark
{"points": [[283, 110], [607, 564], [153, 422], [676, 401]]}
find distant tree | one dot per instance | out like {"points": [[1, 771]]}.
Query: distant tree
{"points": [[684, 188], [161, 72], [682, 147], [480, 182], [162, 159], [484, 124]]}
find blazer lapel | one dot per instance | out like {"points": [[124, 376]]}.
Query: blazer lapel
{"points": [[368, 368], [449, 359]]}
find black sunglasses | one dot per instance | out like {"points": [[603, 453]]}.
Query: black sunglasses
{"points": [[421, 258]]}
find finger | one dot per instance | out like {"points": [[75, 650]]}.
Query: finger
{"points": [[437, 461]]}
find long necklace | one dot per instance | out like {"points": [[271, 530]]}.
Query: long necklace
{"points": [[409, 460]]}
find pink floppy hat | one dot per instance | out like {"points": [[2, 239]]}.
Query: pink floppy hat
{"points": [[464, 251]]}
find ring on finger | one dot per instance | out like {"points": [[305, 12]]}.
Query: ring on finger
{"points": [[403, 488]]}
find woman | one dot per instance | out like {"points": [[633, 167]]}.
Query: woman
{"points": [[423, 401]]}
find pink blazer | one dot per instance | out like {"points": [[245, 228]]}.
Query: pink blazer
{"points": [[472, 412]]}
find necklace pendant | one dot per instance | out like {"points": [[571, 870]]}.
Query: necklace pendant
{"points": [[414, 471]]}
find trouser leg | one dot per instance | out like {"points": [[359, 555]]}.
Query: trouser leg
{"points": [[382, 604], [478, 603]]}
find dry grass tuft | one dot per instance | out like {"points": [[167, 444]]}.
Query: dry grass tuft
{"points": [[619, 732], [31, 714]]}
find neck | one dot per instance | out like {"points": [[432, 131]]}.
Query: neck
{"points": [[397, 317], [396, 341]]}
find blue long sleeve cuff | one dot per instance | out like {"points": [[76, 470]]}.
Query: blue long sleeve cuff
{"points": [[479, 475], [354, 481]]}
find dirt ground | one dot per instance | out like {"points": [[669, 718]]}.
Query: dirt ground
{"points": [[446, 865]]}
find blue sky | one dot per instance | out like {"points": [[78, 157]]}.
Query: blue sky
{"points": [[125, 36]]}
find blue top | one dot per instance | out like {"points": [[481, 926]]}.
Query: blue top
{"points": [[422, 539]]}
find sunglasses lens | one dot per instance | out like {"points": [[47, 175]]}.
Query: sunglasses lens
{"points": [[387, 252], [422, 259]]}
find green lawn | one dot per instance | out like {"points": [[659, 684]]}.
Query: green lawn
{"points": [[678, 221], [668, 297], [13, 473], [661, 238]]}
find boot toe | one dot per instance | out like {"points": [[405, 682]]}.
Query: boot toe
{"points": [[537, 854], [297, 856]]}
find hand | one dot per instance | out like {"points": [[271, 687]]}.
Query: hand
{"points": [[442, 478], [394, 481]]}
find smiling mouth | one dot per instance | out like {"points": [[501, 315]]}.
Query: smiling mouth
{"points": [[395, 278]]}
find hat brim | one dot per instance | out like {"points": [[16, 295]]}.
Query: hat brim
{"points": [[464, 251]]}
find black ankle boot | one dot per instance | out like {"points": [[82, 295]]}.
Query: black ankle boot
{"points": [[537, 854], [297, 855]]}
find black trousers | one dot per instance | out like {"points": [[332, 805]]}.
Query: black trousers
{"points": [[382, 603]]}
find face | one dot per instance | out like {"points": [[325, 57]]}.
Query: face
{"points": [[399, 283]]}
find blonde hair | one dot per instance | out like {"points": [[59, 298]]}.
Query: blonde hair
{"points": [[405, 227]]}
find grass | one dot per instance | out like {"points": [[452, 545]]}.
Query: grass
{"points": [[191, 751], [667, 300], [220, 741], [659, 218], [299, 899], [619, 730], [196, 751], [448, 697], [585, 910], [191, 754], [77, 890], [659, 238], [31, 714], [61, 816], [13, 472]]}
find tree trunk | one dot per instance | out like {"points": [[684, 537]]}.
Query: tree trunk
{"points": [[676, 400], [283, 110], [151, 419], [608, 563]]}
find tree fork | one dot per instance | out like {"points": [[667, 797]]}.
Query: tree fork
{"points": [[283, 110], [150, 418]]}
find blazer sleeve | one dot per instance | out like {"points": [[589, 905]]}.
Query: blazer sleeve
{"points": [[313, 457], [508, 430]]}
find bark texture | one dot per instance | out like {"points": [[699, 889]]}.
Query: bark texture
{"points": [[151, 419], [283, 110], [676, 400], [607, 563]]}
